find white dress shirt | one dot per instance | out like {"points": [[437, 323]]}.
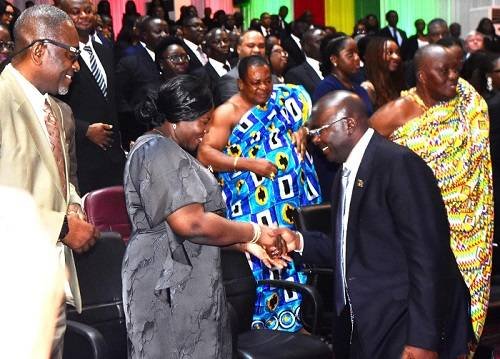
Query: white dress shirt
{"points": [[315, 65], [195, 48], [265, 31], [150, 53], [297, 40], [86, 58], [219, 66]]}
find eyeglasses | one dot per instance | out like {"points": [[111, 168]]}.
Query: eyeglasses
{"points": [[177, 59], [7, 45], [317, 131], [281, 52], [74, 52]]}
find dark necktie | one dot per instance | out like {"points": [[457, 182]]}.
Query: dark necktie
{"points": [[340, 282], [98, 75], [226, 67], [56, 146]]}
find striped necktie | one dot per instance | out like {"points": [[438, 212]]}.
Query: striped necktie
{"points": [[98, 75], [56, 145]]}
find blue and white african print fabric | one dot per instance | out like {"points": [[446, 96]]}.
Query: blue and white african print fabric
{"points": [[265, 132]]}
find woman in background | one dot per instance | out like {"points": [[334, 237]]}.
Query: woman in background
{"points": [[384, 71]]}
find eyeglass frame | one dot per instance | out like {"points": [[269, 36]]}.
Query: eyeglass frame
{"points": [[167, 58], [317, 132], [73, 50]]}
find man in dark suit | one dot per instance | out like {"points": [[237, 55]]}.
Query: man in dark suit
{"points": [[398, 291], [291, 43], [136, 74], [193, 31], [91, 96], [391, 30], [217, 49], [308, 74]]}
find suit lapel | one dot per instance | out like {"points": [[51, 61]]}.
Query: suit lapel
{"points": [[361, 182], [311, 73], [27, 114], [56, 110]]}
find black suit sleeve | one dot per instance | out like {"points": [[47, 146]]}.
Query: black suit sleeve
{"points": [[318, 249], [419, 215]]}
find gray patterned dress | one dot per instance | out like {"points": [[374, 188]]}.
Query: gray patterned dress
{"points": [[173, 296]]}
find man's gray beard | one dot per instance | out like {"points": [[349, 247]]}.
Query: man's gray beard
{"points": [[62, 90]]}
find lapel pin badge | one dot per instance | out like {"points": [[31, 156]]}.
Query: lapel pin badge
{"points": [[360, 183]]}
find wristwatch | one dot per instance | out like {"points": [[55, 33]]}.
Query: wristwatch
{"points": [[64, 229]]}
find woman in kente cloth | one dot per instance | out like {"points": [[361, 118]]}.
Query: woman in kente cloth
{"points": [[256, 144], [445, 121]]}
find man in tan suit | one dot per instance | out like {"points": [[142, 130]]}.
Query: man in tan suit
{"points": [[33, 151]]}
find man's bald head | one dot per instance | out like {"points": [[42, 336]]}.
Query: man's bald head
{"points": [[437, 72], [341, 101], [338, 121], [427, 54], [39, 22]]}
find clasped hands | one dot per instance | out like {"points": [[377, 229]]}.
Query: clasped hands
{"points": [[273, 246], [81, 235]]}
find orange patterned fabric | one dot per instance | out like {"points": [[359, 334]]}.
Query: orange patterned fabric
{"points": [[452, 137]]}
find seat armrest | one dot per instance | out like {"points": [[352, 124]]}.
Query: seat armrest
{"points": [[83, 341], [303, 289]]}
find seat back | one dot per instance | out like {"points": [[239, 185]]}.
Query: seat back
{"points": [[240, 288], [314, 218], [106, 209], [99, 277], [82, 341]]}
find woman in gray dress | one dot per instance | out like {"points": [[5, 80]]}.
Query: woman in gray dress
{"points": [[173, 296]]}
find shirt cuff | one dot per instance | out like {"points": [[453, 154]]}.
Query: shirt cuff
{"points": [[301, 245]]}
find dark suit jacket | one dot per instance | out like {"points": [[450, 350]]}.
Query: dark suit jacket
{"points": [[303, 75], [402, 278], [96, 168], [136, 75], [410, 47], [387, 33], [295, 55], [207, 74], [194, 63]]}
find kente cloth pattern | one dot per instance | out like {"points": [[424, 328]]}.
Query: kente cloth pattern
{"points": [[452, 137], [265, 132]]}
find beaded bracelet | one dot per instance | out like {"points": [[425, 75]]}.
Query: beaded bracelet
{"points": [[256, 232]]}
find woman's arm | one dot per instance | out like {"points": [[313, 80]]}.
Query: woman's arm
{"points": [[207, 228], [210, 150]]}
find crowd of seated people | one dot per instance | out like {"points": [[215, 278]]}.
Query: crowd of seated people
{"points": [[248, 127]]}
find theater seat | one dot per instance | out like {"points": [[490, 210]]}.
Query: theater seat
{"points": [[99, 277], [240, 287], [107, 211], [82, 341]]}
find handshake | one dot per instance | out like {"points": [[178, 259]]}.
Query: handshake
{"points": [[273, 246]]}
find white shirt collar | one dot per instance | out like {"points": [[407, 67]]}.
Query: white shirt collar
{"points": [[218, 66], [150, 53], [297, 40], [264, 30], [89, 43], [97, 38], [192, 46], [354, 159], [315, 65]]}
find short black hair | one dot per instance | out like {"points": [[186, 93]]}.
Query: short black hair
{"points": [[181, 98], [164, 44], [450, 41], [246, 62]]}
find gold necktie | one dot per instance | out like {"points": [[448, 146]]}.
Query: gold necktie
{"points": [[55, 143]]}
